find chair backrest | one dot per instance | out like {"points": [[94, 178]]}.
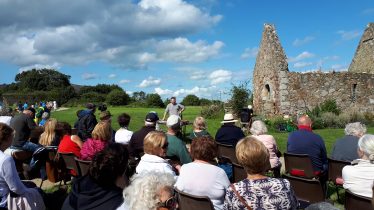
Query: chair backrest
{"points": [[69, 161], [84, 165], [74, 131], [239, 172], [306, 190], [299, 163], [52, 165], [188, 202], [335, 168], [353, 201], [228, 151]]}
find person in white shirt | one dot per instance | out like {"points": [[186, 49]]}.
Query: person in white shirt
{"points": [[201, 177], [123, 135], [155, 147], [6, 115], [359, 178], [9, 179]]}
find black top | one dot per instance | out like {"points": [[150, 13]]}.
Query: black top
{"points": [[86, 124], [136, 142], [229, 134], [88, 195], [22, 124], [345, 149]]}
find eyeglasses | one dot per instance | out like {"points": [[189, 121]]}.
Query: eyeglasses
{"points": [[170, 203]]}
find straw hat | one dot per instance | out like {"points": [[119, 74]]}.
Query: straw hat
{"points": [[228, 118]]}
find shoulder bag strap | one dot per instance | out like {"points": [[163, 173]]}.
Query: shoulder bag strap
{"points": [[240, 197]]}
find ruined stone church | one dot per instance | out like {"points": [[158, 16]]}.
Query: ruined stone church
{"points": [[278, 91]]}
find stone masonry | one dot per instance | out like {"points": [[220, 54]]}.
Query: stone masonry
{"points": [[278, 91]]}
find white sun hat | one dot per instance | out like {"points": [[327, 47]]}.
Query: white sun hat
{"points": [[228, 118]]}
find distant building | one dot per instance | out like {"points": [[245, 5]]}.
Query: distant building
{"points": [[278, 91]]}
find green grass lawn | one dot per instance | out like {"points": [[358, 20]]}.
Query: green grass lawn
{"points": [[138, 115]]}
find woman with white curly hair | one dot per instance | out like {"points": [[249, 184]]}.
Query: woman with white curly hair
{"points": [[345, 149], [259, 131], [359, 178], [150, 191]]}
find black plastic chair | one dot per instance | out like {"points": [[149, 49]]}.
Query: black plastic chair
{"points": [[84, 166], [299, 163], [335, 173], [188, 202], [307, 191], [227, 151], [70, 163], [354, 201], [238, 172]]}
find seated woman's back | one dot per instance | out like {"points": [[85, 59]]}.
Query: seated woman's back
{"points": [[202, 178], [101, 135]]}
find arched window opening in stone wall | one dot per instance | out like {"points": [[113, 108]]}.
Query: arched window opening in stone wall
{"points": [[266, 93], [354, 90]]}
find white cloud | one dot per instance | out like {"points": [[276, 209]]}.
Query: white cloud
{"points": [[150, 81], [89, 76], [349, 35], [339, 67], [126, 34], [112, 76], [220, 76], [39, 66], [124, 81], [301, 56], [161, 91], [298, 42], [302, 64], [249, 53]]}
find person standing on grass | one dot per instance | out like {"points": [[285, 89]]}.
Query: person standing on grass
{"points": [[87, 122], [173, 108]]}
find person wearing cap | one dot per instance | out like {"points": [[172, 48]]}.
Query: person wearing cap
{"points": [[136, 142], [106, 116], [173, 108], [177, 149], [87, 122], [228, 133]]}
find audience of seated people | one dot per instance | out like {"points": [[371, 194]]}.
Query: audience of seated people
{"points": [[102, 187], [23, 124], [101, 136], [155, 147], [150, 191], [345, 149], [199, 128], [358, 178], [228, 133], [9, 179], [69, 142], [258, 191], [177, 150], [136, 142], [259, 130], [50, 137], [305, 141], [201, 177], [123, 134]]}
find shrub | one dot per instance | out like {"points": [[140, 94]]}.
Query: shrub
{"points": [[213, 111], [117, 98], [239, 98], [330, 106], [318, 123], [92, 97], [154, 100], [329, 119], [191, 100], [343, 119]]}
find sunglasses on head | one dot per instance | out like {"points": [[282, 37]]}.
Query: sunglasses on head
{"points": [[170, 203]]}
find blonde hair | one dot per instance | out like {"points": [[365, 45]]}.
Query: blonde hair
{"points": [[102, 131], [252, 155], [154, 140], [47, 136], [199, 123]]}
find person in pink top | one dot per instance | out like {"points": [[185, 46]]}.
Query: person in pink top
{"points": [[259, 130], [101, 135]]}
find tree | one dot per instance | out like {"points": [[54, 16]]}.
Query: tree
{"points": [[92, 97], [191, 100], [100, 88], [204, 102], [154, 100], [239, 97], [117, 98], [42, 80], [138, 96]]}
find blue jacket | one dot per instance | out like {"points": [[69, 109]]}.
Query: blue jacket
{"points": [[307, 142], [229, 134]]}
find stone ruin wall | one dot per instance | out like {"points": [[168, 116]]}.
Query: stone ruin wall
{"points": [[310, 89]]}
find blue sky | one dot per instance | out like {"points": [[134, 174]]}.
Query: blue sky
{"points": [[174, 47]]}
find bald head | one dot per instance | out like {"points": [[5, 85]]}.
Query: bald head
{"points": [[304, 120]]}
